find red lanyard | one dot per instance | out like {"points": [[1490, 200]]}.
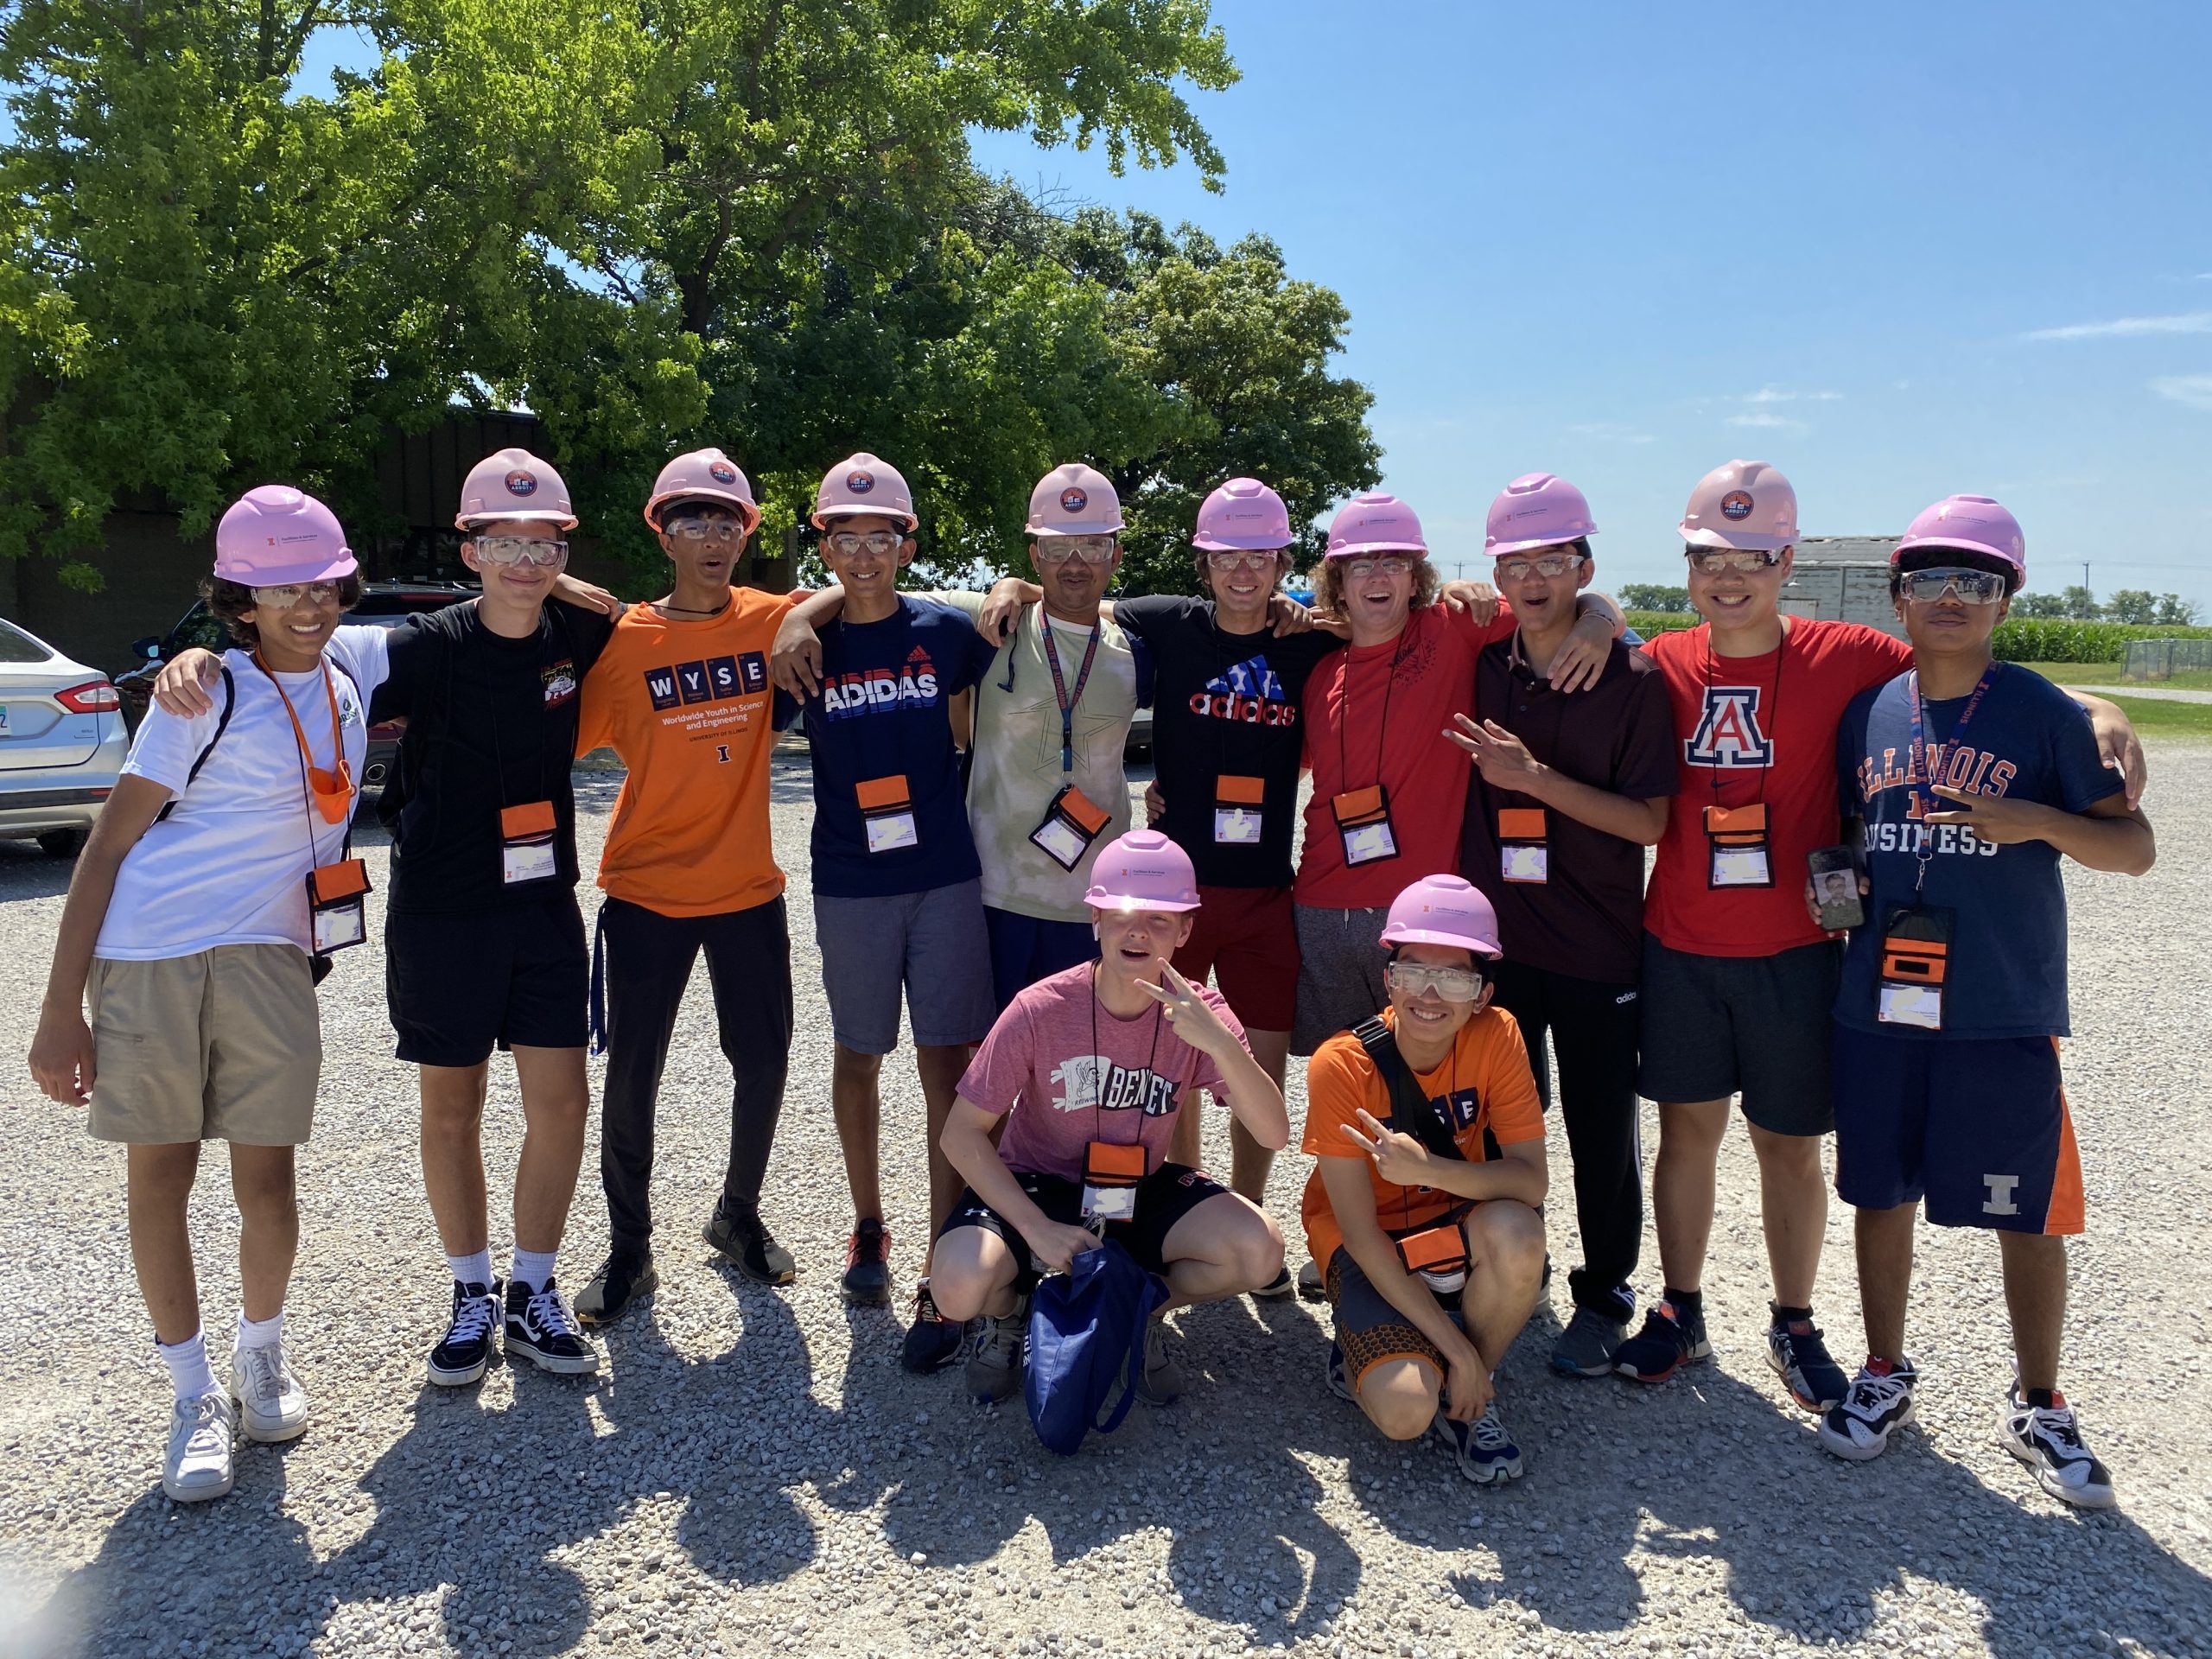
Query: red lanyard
{"points": [[329, 790]]}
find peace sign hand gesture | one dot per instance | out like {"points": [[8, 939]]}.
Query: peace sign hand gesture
{"points": [[1399, 1159], [1193, 1018]]}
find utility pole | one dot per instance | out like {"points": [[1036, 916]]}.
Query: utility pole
{"points": [[2088, 597]]}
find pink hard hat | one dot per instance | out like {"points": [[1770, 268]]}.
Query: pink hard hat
{"points": [[1143, 870], [274, 535], [1536, 510], [513, 486], [863, 483], [1074, 500], [704, 475], [1243, 514], [1372, 522], [1443, 910], [1746, 503], [1973, 523]]}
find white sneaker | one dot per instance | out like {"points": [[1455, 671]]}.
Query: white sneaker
{"points": [[272, 1406], [198, 1466], [2047, 1439]]}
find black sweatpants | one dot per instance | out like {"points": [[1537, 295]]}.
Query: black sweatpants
{"points": [[648, 964], [1592, 1028]]}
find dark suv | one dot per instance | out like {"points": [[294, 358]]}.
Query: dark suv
{"points": [[384, 604]]}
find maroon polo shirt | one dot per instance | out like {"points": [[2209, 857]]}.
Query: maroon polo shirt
{"points": [[1587, 920]]}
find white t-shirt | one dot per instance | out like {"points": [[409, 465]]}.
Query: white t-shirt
{"points": [[229, 865]]}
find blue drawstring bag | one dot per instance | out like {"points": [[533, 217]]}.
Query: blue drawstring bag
{"points": [[1086, 1343]]}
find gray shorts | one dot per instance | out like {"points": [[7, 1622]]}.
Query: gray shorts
{"points": [[1340, 964], [1714, 1026], [932, 944]]}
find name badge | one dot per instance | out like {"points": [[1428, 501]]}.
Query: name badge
{"points": [[1363, 824], [1110, 1174], [1070, 824], [1236, 809], [1737, 838], [1521, 854], [526, 849], [887, 812], [1439, 1255], [337, 904], [1915, 961]]}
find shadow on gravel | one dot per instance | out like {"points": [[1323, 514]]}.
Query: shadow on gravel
{"points": [[26, 873]]}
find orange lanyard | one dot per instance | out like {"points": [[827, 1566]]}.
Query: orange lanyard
{"points": [[333, 791]]}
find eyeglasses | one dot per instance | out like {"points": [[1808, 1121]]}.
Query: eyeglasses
{"points": [[518, 550], [283, 598], [1453, 984], [881, 543], [1548, 566], [1361, 569], [1712, 561], [1059, 549], [1972, 587], [703, 529], [1251, 559]]}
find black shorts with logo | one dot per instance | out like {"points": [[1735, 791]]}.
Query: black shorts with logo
{"points": [[1164, 1198], [462, 982]]}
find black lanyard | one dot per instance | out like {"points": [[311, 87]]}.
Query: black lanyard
{"points": [[1060, 687], [1098, 1085], [1405, 1194], [1927, 765], [1383, 725], [1770, 724]]}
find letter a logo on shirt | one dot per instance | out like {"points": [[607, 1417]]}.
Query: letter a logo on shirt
{"points": [[1728, 735]]}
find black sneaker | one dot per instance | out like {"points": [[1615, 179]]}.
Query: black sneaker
{"points": [[742, 1238], [1671, 1338], [541, 1330], [471, 1338], [1801, 1358], [867, 1282], [622, 1278], [932, 1341]]}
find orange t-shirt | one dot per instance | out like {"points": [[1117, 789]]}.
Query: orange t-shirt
{"points": [[1483, 1083], [686, 703]]}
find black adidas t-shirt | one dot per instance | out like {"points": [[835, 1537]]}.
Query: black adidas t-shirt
{"points": [[1225, 705]]}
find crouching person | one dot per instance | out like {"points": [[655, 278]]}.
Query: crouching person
{"points": [[1089, 1067], [1421, 1207]]}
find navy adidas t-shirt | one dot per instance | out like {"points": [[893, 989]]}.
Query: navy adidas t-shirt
{"points": [[881, 716], [2027, 740]]}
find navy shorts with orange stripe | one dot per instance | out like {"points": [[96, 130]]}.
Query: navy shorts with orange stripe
{"points": [[1976, 1128]]}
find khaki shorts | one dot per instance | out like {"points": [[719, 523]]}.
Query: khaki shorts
{"points": [[223, 1046]]}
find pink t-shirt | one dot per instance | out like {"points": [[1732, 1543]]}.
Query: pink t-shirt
{"points": [[1073, 1073]]}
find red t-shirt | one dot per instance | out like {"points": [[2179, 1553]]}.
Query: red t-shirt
{"points": [[1377, 714], [1753, 728]]}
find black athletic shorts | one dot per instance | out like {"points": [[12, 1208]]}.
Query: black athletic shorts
{"points": [[1164, 1198], [1716, 1025], [462, 982]]}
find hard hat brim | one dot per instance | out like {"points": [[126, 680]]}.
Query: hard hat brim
{"points": [[829, 515], [1481, 947], [1742, 541], [720, 498], [516, 515], [1256, 543], [1961, 544], [1504, 548]]}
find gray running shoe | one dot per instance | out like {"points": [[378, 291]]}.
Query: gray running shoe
{"points": [[1164, 1379], [1585, 1347], [1309, 1282], [994, 1362]]}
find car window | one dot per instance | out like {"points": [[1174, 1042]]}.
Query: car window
{"points": [[17, 646], [201, 627]]}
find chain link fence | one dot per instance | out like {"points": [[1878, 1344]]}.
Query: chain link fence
{"points": [[2158, 659]]}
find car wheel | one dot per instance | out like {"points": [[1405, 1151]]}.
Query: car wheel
{"points": [[61, 843]]}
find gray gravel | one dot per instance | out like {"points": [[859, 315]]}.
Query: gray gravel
{"points": [[754, 1473]]}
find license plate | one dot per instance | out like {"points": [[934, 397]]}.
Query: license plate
{"points": [[4, 720]]}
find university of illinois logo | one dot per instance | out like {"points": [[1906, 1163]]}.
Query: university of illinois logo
{"points": [[1728, 733]]}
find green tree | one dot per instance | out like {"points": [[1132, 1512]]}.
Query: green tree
{"points": [[2174, 612], [2050, 606], [2080, 604], [1653, 596], [2131, 605]]}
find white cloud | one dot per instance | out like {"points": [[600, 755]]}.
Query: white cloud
{"points": [[2190, 390], [1762, 417], [2186, 323], [1609, 432], [1778, 395]]}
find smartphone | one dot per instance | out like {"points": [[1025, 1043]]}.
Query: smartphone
{"points": [[1835, 887]]}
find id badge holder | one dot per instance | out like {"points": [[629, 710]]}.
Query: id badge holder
{"points": [[888, 811], [1735, 837], [1236, 809], [1521, 854], [338, 911], [1363, 822], [1439, 1255], [1072, 823], [1915, 961], [1110, 1174], [527, 851]]}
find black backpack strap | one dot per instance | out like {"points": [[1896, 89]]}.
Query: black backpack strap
{"points": [[1412, 1112], [222, 725]]}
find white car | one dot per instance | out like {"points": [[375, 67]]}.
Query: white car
{"points": [[62, 743]]}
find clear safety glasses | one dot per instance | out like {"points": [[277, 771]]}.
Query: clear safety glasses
{"points": [[1248, 559], [1712, 561], [1453, 984], [518, 550], [283, 598], [1059, 549], [847, 542], [1970, 587], [1549, 566]]}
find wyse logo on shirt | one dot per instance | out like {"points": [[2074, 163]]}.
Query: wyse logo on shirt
{"points": [[1728, 735], [713, 680]]}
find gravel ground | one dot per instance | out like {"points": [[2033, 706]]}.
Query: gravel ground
{"points": [[753, 1472]]}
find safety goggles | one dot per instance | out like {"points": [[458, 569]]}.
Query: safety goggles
{"points": [[1969, 587], [706, 530], [1392, 565], [846, 542], [1248, 559], [1712, 561], [518, 549], [1416, 979], [1548, 565], [284, 597], [1059, 549]]}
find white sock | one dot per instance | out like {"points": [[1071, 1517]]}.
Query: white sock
{"points": [[260, 1334], [187, 1363], [472, 1269], [532, 1268]]}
